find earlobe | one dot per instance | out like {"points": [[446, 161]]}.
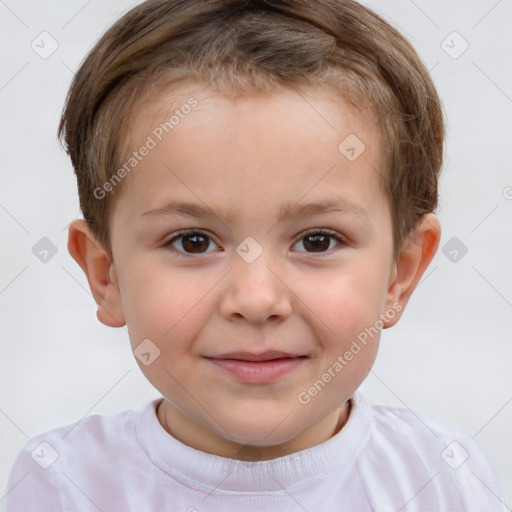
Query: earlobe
{"points": [[415, 257], [100, 273]]}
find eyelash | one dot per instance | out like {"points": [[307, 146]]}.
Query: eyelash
{"points": [[321, 231]]}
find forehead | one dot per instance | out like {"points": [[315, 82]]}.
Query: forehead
{"points": [[255, 150]]}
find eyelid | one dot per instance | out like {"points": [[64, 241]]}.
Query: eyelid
{"points": [[323, 231]]}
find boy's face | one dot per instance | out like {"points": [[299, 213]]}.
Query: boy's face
{"points": [[249, 285]]}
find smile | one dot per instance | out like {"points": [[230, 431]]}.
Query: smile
{"points": [[257, 368]]}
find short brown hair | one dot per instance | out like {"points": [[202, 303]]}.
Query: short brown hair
{"points": [[242, 45]]}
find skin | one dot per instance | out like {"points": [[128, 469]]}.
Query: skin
{"points": [[252, 156]]}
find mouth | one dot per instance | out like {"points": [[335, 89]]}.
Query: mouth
{"points": [[257, 368]]}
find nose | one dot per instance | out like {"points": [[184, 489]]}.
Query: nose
{"points": [[256, 292]]}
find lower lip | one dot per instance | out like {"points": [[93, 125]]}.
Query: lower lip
{"points": [[258, 372]]}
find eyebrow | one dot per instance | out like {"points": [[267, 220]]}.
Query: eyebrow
{"points": [[287, 212]]}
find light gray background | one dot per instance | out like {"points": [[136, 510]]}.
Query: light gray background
{"points": [[449, 357]]}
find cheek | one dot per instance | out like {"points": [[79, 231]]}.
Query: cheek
{"points": [[167, 307], [162, 304], [345, 302]]}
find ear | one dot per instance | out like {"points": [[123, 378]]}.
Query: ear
{"points": [[99, 269], [415, 257]]}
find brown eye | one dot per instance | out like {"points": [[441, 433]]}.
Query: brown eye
{"points": [[194, 243], [190, 243], [320, 241], [317, 243]]}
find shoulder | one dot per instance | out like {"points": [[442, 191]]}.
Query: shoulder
{"points": [[84, 451], [426, 436], [419, 450], [95, 432]]}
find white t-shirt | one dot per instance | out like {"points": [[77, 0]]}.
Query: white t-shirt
{"points": [[384, 459]]}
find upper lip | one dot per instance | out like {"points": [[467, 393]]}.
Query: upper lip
{"points": [[262, 356]]}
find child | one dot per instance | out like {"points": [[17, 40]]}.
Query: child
{"points": [[257, 180]]}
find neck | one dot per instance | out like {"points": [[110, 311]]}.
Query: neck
{"points": [[190, 433]]}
